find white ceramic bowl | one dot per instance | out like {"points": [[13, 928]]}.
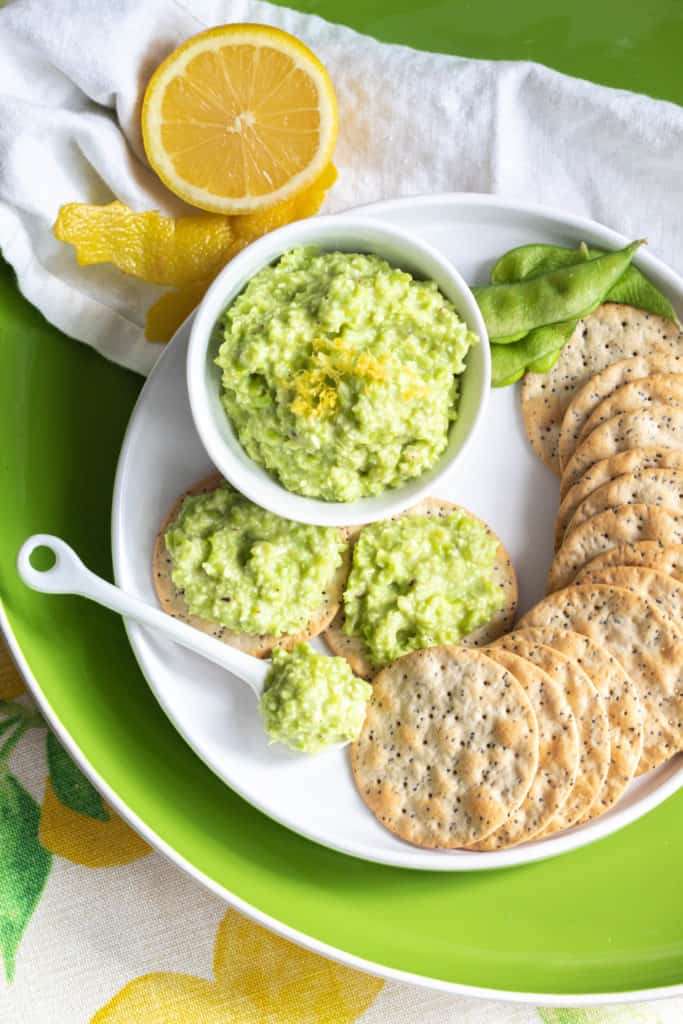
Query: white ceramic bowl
{"points": [[345, 233]]}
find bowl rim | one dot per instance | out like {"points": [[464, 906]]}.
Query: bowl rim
{"points": [[239, 469]]}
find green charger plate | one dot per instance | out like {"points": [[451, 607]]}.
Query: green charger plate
{"points": [[604, 923]]}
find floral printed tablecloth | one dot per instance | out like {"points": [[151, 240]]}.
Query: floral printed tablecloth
{"points": [[96, 927]]}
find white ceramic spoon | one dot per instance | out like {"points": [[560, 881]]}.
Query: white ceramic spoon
{"points": [[68, 575]]}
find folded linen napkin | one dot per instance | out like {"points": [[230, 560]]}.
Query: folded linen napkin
{"points": [[72, 73]]}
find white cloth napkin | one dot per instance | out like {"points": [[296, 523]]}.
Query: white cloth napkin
{"points": [[72, 73]]}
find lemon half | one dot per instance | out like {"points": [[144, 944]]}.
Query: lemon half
{"points": [[239, 118]]}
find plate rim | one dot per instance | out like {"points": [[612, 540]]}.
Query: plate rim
{"points": [[253, 912]]}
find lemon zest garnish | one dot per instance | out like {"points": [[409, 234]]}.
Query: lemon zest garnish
{"points": [[317, 388], [315, 396]]}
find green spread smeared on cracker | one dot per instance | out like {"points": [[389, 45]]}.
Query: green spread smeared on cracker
{"points": [[311, 701], [418, 582], [246, 568], [340, 372]]}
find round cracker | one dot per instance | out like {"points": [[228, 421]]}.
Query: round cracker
{"points": [[622, 464], [353, 648], [590, 714], [624, 524], [613, 332], [649, 554], [260, 646], [558, 755], [645, 644], [657, 587], [658, 426], [601, 385], [448, 749], [661, 487], [624, 710], [638, 394]]}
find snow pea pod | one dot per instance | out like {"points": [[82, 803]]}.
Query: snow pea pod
{"points": [[564, 294], [537, 351], [633, 288]]}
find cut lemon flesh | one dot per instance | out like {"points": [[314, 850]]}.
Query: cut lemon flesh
{"points": [[239, 118]]}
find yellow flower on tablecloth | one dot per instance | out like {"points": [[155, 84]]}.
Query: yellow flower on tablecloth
{"points": [[11, 683], [260, 978], [90, 842]]}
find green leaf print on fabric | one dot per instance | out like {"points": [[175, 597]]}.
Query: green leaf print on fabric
{"points": [[24, 864], [8, 723], [638, 1014], [71, 785]]}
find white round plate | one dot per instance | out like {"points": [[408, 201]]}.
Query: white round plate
{"points": [[501, 480]]}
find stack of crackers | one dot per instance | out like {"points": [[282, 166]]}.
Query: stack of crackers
{"points": [[482, 749], [546, 727]]}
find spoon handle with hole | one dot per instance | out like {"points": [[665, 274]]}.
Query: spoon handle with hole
{"points": [[69, 575]]}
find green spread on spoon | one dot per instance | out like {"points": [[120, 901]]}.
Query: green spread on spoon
{"points": [[340, 372], [311, 701], [247, 568], [420, 581]]}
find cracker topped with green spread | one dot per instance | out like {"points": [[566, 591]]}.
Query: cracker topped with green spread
{"points": [[340, 372], [434, 575], [244, 575]]}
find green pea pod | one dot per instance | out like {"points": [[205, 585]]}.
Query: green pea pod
{"points": [[510, 380], [531, 260], [527, 261], [508, 362], [505, 371], [511, 337], [633, 288], [558, 295], [546, 363]]}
